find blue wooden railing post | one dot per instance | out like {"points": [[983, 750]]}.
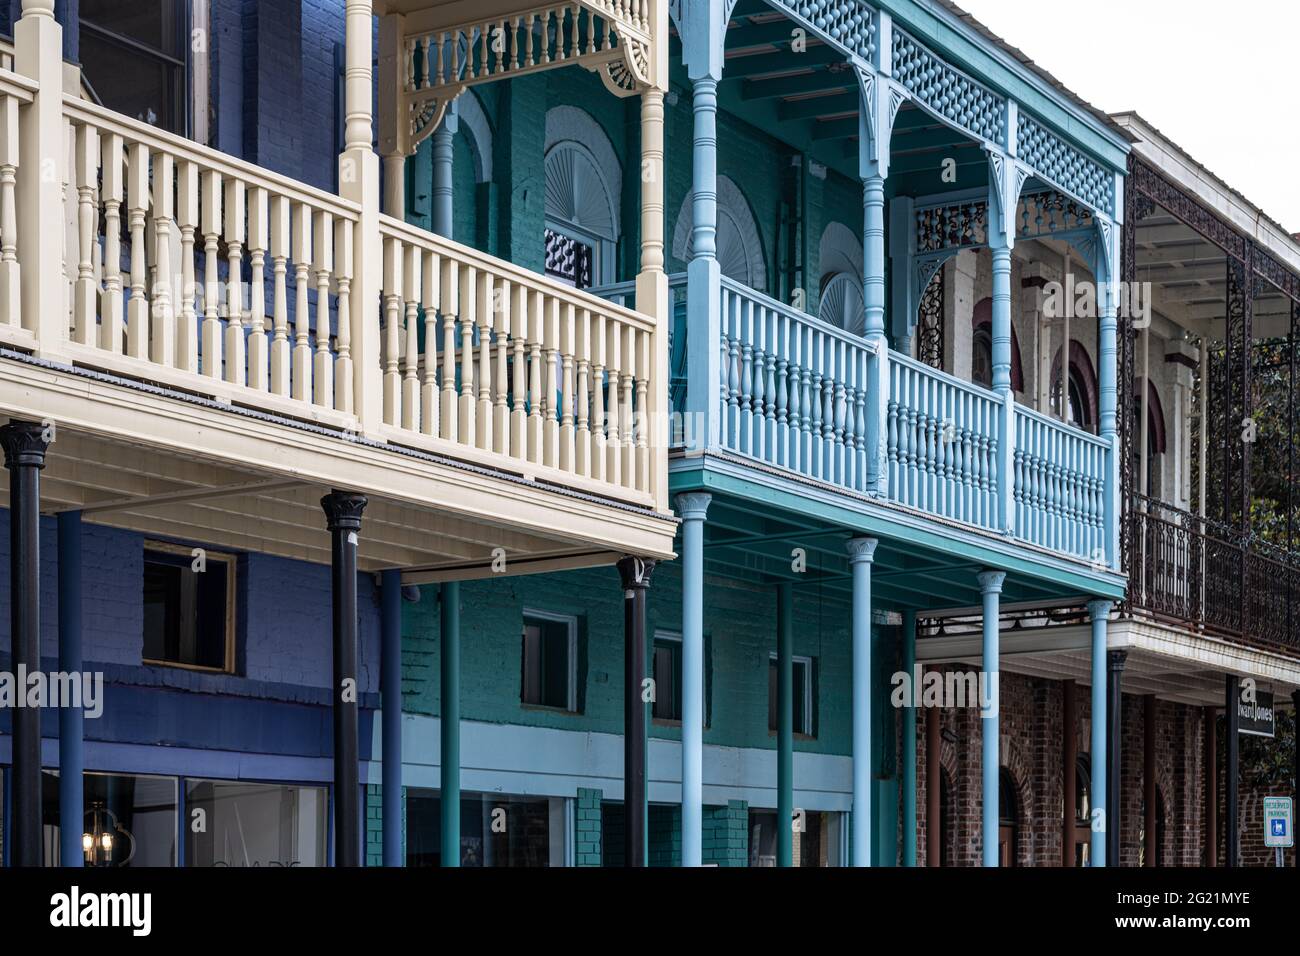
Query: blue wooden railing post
{"points": [[692, 509], [390, 689], [1107, 374], [71, 753], [703, 26], [909, 744], [1098, 612], [1006, 177], [442, 171], [990, 726], [861, 553]]}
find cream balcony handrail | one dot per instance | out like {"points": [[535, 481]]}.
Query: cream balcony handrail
{"points": [[487, 360], [15, 91], [250, 318]]}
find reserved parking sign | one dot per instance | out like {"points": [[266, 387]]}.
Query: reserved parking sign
{"points": [[1278, 827]]}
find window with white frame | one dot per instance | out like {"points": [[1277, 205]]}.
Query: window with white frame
{"points": [[804, 699], [548, 661]]}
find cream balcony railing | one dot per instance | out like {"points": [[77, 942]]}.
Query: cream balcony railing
{"points": [[132, 251]]}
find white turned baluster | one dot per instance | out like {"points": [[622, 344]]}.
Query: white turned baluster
{"points": [[411, 281], [187, 198], [643, 425], [392, 326], [113, 309], [450, 306], [323, 259], [431, 272], [568, 321], [301, 314], [582, 390], [343, 275], [468, 288], [500, 377], [519, 370], [258, 229], [234, 216], [550, 397], [614, 398], [536, 399], [137, 200], [163, 336], [628, 450], [10, 273], [85, 293], [483, 421], [212, 333], [598, 342], [280, 296]]}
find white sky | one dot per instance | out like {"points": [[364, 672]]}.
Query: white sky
{"points": [[1222, 80]]}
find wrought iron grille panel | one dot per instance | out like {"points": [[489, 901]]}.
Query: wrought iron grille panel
{"points": [[929, 322], [568, 259]]}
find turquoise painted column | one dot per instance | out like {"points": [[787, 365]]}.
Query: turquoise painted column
{"points": [[71, 753], [861, 552], [443, 137], [991, 590], [692, 509], [1006, 177], [909, 743], [785, 724], [1098, 613], [390, 689], [1107, 375], [873, 290], [449, 711]]}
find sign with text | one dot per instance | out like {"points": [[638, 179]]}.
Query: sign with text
{"points": [[1256, 716], [1279, 829]]}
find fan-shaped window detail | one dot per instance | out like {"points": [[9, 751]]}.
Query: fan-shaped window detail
{"points": [[842, 304], [583, 184], [740, 248]]}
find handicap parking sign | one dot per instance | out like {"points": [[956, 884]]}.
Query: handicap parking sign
{"points": [[1277, 822]]}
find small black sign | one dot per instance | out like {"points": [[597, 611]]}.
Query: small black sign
{"points": [[1256, 717]]}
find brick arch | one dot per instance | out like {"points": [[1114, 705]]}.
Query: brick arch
{"points": [[982, 316], [1014, 762]]}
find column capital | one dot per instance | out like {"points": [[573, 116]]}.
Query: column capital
{"points": [[24, 443], [635, 572], [343, 510], [693, 505], [991, 581], [1099, 609], [861, 550], [1115, 659]]}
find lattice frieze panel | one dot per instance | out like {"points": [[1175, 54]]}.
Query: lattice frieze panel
{"points": [[947, 91], [1062, 164]]}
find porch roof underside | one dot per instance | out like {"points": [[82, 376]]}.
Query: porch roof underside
{"points": [[756, 521], [1172, 664]]}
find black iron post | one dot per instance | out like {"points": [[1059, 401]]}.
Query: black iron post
{"points": [[635, 575], [1231, 740]]}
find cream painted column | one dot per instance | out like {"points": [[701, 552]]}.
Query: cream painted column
{"points": [[957, 345], [1178, 447], [652, 280], [42, 170], [359, 182], [392, 138]]}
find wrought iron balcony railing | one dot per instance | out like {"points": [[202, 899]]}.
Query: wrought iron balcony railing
{"points": [[1200, 573]]}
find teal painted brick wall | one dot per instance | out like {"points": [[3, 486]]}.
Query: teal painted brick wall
{"points": [[586, 825], [374, 824], [726, 834], [664, 833], [740, 620]]}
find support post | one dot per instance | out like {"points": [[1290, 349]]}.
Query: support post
{"points": [[390, 688], [909, 742], [443, 202], [1114, 713], [933, 790], [1151, 845], [634, 574], [861, 553], [991, 592], [1006, 177], [692, 508], [1295, 747], [1107, 379], [71, 757], [1231, 748], [1211, 788], [1069, 769], [343, 517], [785, 724], [1098, 614], [24, 450], [449, 715], [652, 282]]}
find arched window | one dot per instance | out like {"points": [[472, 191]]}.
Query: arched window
{"points": [[739, 246], [1081, 388], [842, 304], [1160, 832], [1008, 819], [981, 357], [583, 184], [982, 320], [1155, 439]]}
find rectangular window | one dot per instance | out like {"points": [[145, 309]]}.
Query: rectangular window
{"points": [[189, 607], [496, 829], [128, 820], [134, 56], [256, 824], [804, 703], [666, 669], [549, 659]]}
